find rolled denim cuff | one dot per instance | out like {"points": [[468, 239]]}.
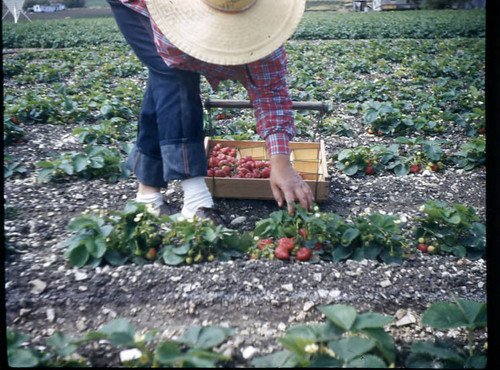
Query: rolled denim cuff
{"points": [[184, 160], [147, 169]]}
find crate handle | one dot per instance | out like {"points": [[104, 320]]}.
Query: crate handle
{"points": [[241, 104]]}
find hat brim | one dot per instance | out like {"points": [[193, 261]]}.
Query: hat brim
{"points": [[227, 38]]}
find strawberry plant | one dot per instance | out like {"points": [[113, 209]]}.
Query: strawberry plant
{"points": [[427, 154], [138, 236], [106, 132], [11, 168], [95, 161], [346, 339], [331, 238], [363, 160], [376, 236], [451, 228], [61, 347], [200, 241], [193, 349], [12, 133], [472, 154], [444, 354]]}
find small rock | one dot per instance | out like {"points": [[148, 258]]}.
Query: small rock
{"points": [[406, 320], [38, 286], [81, 324], [308, 305], [385, 283], [238, 220], [317, 277], [248, 352], [334, 293], [287, 287], [51, 315], [80, 275], [130, 354], [24, 311]]}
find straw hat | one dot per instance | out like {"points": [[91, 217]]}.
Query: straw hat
{"points": [[227, 32]]}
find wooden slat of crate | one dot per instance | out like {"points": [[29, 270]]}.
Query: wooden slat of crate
{"points": [[307, 158]]}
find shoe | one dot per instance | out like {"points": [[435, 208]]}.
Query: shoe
{"points": [[211, 214], [164, 209]]}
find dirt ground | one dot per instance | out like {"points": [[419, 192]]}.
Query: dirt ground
{"points": [[258, 298]]}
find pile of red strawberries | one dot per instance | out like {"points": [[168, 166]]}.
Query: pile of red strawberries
{"points": [[222, 162]]}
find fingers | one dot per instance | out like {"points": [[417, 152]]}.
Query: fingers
{"points": [[277, 194], [303, 193]]}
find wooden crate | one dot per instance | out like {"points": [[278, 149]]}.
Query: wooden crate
{"points": [[307, 158]]}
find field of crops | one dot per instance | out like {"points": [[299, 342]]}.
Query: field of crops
{"points": [[405, 141]]}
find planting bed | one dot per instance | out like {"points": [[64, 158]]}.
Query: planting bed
{"points": [[261, 298]]}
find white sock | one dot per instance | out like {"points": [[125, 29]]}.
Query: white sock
{"points": [[153, 201], [196, 195]]}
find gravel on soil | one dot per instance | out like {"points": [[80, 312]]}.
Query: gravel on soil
{"points": [[260, 299]]}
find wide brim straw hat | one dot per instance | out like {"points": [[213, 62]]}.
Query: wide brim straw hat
{"points": [[227, 32]]}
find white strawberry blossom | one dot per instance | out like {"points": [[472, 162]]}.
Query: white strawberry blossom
{"points": [[311, 348]]}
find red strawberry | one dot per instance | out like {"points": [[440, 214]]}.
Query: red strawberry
{"points": [[281, 253], [303, 233], [422, 247], [318, 246], [263, 243], [243, 171], [14, 120], [414, 168], [303, 254], [220, 173], [227, 170], [266, 172], [286, 243], [370, 171], [256, 174], [435, 167]]}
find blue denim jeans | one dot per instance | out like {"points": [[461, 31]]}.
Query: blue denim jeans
{"points": [[170, 135]]}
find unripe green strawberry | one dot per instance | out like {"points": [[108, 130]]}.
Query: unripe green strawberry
{"points": [[210, 257], [421, 240], [189, 260], [198, 258]]}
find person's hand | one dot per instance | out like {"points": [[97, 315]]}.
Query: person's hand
{"points": [[287, 185]]}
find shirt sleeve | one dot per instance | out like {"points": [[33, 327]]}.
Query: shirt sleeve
{"points": [[271, 101]]}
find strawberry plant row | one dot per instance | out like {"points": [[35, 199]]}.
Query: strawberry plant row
{"points": [[412, 102], [138, 236], [346, 338], [376, 25]]}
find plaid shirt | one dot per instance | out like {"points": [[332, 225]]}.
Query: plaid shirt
{"points": [[266, 84]]}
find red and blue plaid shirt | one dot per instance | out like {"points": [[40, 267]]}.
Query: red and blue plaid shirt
{"points": [[266, 84]]}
